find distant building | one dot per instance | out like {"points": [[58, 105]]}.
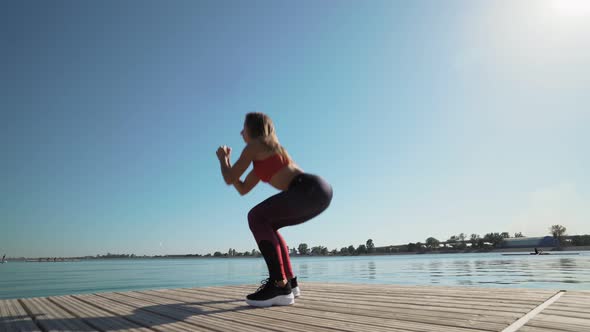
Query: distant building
{"points": [[529, 242]]}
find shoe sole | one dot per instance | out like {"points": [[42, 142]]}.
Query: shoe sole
{"points": [[277, 300], [296, 292]]}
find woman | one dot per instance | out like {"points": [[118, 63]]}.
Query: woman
{"points": [[302, 197]]}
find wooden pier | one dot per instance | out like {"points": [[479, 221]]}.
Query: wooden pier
{"points": [[323, 307]]}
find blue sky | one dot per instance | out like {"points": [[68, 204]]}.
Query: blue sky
{"points": [[428, 118]]}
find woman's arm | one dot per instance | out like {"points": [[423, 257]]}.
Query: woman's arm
{"points": [[225, 168], [250, 182], [233, 173]]}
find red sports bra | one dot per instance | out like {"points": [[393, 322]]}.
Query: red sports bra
{"points": [[268, 167]]}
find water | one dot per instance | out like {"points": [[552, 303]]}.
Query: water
{"points": [[22, 279]]}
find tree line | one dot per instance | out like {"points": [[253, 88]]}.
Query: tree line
{"points": [[460, 241], [457, 242]]}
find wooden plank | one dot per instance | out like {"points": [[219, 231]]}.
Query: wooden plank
{"points": [[140, 316], [398, 312], [458, 292], [572, 304], [52, 318], [97, 317], [431, 298], [290, 314], [322, 315], [13, 317], [438, 301], [418, 305], [559, 323], [287, 319], [457, 295], [531, 314], [536, 329], [567, 313], [240, 315], [570, 313], [450, 290], [322, 308], [192, 313], [375, 309]]}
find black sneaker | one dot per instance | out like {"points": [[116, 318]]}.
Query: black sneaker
{"points": [[269, 294], [295, 287]]}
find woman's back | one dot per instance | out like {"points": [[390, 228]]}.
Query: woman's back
{"points": [[281, 178]]}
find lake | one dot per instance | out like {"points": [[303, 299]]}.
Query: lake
{"points": [[27, 279]]}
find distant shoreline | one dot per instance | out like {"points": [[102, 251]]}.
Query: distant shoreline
{"points": [[436, 252]]}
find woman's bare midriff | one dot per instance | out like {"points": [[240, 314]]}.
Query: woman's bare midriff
{"points": [[283, 177]]}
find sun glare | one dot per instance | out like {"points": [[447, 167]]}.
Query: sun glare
{"points": [[571, 7]]}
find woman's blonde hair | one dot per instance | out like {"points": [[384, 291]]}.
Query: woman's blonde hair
{"points": [[261, 127]]}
